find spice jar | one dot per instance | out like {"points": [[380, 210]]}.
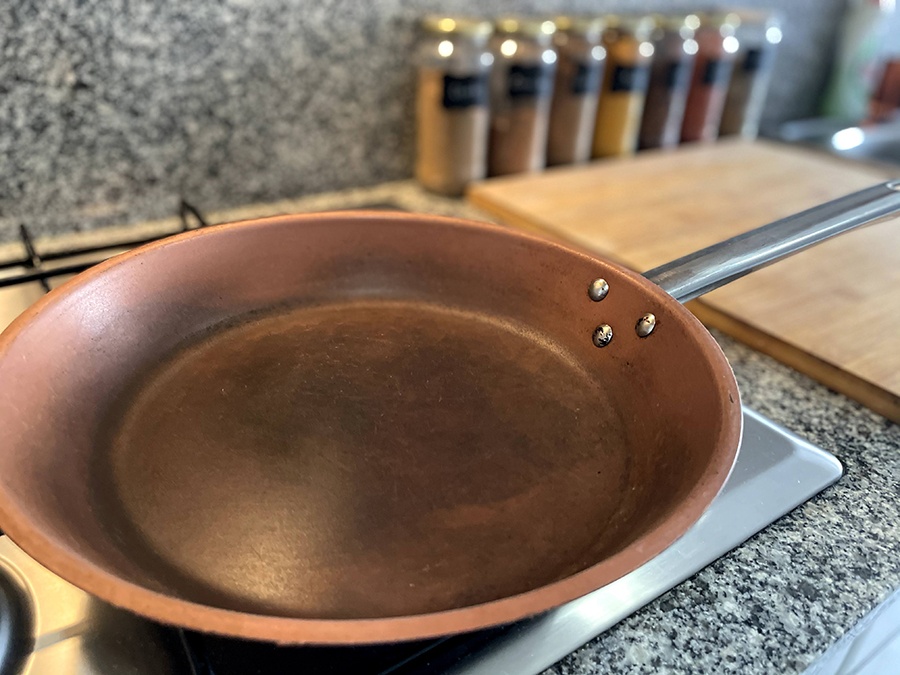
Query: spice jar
{"points": [[579, 71], [521, 88], [452, 114], [885, 100], [716, 49], [670, 76], [884, 94], [758, 35], [628, 58]]}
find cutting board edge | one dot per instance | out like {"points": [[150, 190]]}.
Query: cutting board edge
{"points": [[532, 225], [877, 399]]}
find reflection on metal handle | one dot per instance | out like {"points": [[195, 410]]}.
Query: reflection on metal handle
{"points": [[707, 269]]}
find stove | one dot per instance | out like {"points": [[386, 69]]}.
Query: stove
{"points": [[49, 626]]}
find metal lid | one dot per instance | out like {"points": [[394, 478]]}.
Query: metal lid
{"points": [[458, 25], [726, 23], [757, 17], [683, 24], [531, 27], [587, 26], [641, 26]]}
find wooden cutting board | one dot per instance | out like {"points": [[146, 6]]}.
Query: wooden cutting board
{"points": [[832, 311]]}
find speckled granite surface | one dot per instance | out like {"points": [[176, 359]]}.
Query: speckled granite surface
{"points": [[781, 599], [110, 110]]}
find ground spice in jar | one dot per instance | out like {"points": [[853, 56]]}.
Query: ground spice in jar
{"points": [[579, 71], [452, 116], [758, 33], [670, 77], [521, 87], [621, 104], [713, 65]]}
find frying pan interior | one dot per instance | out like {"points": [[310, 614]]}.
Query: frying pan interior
{"points": [[356, 416]]}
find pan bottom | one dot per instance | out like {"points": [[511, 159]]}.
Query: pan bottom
{"points": [[364, 460]]}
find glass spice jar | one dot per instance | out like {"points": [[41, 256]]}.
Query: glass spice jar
{"points": [[452, 115], [521, 89], [885, 100], [579, 71], [758, 35], [716, 50], [670, 77], [884, 95], [628, 56]]}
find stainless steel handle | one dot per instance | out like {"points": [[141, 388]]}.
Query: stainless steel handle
{"points": [[698, 273]]}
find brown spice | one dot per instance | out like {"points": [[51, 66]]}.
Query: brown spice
{"points": [[518, 138], [451, 142], [738, 96], [709, 86], [572, 116], [670, 76]]}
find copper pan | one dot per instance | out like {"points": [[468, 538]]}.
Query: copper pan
{"points": [[367, 427]]}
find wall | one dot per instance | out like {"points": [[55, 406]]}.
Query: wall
{"points": [[109, 109]]}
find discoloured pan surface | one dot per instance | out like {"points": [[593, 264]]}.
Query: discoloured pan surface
{"points": [[355, 427]]}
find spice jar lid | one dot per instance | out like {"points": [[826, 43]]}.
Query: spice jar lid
{"points": [[758, 27], [641, 26], [589, 27], [541, 29], [726, 24], [683, 24], [757, 17], [458, 25]]}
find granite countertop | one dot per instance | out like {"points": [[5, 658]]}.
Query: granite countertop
{"points": [[781, 599]]}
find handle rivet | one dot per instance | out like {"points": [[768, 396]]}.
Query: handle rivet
{"points": [[603, 335], [645, 325], [598, 289]]}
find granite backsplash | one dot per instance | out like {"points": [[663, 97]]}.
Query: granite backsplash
{"points": [[110, 110]]}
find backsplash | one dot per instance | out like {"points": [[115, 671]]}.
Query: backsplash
{"points": [[110, 110]]}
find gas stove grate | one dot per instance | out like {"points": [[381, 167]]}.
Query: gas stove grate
{"points": [[33, 268]]}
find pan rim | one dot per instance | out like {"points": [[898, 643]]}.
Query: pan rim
{"points": [[61, 560]]}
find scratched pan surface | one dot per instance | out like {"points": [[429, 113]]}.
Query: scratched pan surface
{"points": [[355, 427]]}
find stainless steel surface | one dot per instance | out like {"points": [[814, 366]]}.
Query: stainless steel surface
{"points": [[871, 647], [598, 289], [16, 627], [707, 269], [867, 142], [645, 325], [603, 335], [775, 472], [71, 633]]}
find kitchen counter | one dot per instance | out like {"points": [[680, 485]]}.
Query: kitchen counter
{"points": [[781, 599]]}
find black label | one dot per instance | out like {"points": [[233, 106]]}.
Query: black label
{"points": [[630, 78], [587, 78], [529, 81], [462, 92], [677, 74], [716, 72], [752, 60]]}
